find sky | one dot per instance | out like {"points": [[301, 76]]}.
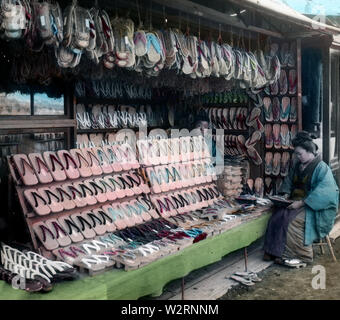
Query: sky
{"points": [[326, 7], [43, 104]]}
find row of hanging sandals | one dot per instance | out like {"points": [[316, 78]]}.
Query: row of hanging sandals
{"points": [[117, 42]]}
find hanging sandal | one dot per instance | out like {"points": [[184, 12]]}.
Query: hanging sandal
{"points": [[268, 109], [276, 135], [276, 109], [293, 110], [292, 81], [285, 109], [268, 186], [285, 136], [285, 160], [268, 163], [283, 82], [254, 156], [269, 141], [255, 137], [276, 164]]}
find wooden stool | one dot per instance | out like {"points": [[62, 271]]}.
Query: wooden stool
{"points": [[328, 242]]}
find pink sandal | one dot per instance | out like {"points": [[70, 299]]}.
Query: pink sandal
{"points": [[108, 223], [94, 162], [114, 159], [64, 196], [142, 210], [87, 192], [41, 169], [84, 225], [69, 164], [129, 218], [82, 163], [37, 201], [45, 235], [25, 169], [71, 228], [130, 154], [55, 165], [97, 223], [117, 216], [117, 185], [104, 160], [61, 235], [98, 190], [52, 199], [76, 194], [109, 190]]}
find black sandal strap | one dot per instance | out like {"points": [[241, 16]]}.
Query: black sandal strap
{"points": [[94, 218], [85, 187], [49, 193], [37, 195], [70, 224], [96, 187]]}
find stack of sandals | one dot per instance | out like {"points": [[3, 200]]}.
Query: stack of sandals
{"points": [[99, 238], [32, 272]]}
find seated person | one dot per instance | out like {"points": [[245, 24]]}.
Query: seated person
{"points": [[310, 184]]}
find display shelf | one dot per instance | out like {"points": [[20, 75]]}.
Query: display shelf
{"points": [[101, 130], [150, 279]]}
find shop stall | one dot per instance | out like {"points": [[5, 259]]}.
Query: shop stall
{"points": [[109, 179]]}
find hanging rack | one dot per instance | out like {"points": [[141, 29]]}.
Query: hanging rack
{"points": [[187, 30], [179, 20], [139, 18], [150, 15], [199, 28], [249, 41], [219, 39], [165, 20], [231, 37]]}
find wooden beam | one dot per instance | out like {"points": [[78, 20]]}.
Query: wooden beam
{"points": [[36, 124], [323, 28], [198, 10]]}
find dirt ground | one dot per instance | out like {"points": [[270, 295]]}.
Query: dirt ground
{"points": [[282, 283]]}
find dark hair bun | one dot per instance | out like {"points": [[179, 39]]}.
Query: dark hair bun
{"points": [[303, 136], [305, 141]]}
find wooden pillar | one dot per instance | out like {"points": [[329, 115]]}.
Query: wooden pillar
{"points": [[299, 82], [326, 109]]}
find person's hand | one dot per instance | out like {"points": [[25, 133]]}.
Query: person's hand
{"points": [[296, 205]]}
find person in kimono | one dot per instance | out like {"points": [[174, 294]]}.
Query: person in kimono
{"points": [[310, 184]]}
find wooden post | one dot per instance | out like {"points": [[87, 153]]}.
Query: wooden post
{"points": [[245, 259], [299, 83], [183, 288], [330, 248]]}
